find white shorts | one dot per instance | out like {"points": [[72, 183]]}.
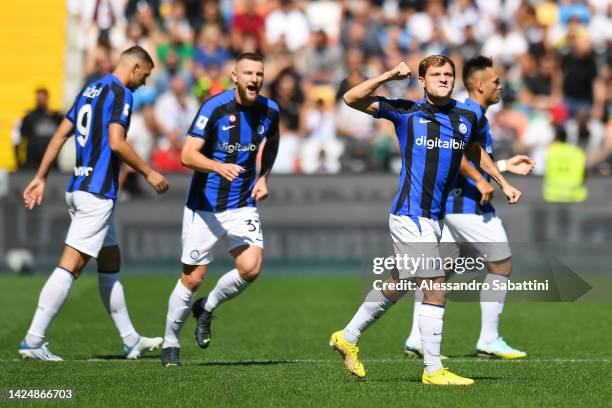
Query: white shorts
{"points": [[93, 222], [203, 229], [416, 246], [484, 233]]}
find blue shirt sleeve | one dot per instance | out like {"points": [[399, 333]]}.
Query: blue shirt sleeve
{"points": [[121, 108], [392, 109], [71, 114], [202, 125]]}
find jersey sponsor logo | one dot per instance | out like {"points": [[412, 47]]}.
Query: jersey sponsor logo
{"points": [[92, 92], [455, 144], [236, 147], [463, 128], [201, 122], [421, 120], [228, 127], [82, 171], [126, 109]]}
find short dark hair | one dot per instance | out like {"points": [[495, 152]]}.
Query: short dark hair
{"points": [[253, 56], [138, 52], [474, 65], [435, 61]]}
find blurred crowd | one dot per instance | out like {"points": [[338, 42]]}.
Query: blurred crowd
{"points": [[554, 59]]}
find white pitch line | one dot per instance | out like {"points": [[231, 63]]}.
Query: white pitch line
{"points": [[333, 361]]}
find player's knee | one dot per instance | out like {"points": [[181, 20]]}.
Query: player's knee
{"points": [[503, 267], [193, 276], [249, 269]]}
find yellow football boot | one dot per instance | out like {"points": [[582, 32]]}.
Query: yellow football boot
{"points": [[445, 377], [349, 353]]}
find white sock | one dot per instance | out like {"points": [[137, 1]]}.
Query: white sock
{"points": [[179, 306], [228, 286], [491, 306], [414, 339], [111, 292], [51, 299], [374, 306], [430, 324]]}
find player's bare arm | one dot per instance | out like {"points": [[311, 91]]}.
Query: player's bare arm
{"points": [[519, 164], [33, 193], [192, 157], [484, 187], [118, 144], [477, 154], [268, 157], [360, 97]]}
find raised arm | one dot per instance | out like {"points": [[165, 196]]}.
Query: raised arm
{"points": [[360, 96]]}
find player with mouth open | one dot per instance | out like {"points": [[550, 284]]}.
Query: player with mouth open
{"points": [[221, 148]]}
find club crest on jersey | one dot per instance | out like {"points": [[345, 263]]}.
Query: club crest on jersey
{"points": [[463, 128], [195, 254], [260, 129], [232, 118]]}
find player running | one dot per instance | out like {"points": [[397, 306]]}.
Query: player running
{"points": [[433, 134], [470, 218], [100, 117], [221, 148]]}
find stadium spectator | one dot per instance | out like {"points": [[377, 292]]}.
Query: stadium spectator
{"points": [[579, 70], [552, 57], [176, 108], [285, 90], [36, 130], [287, 24], [176, 43], [320, 59], [210, 49], [167, 156], [505, 45], [248, 22]]}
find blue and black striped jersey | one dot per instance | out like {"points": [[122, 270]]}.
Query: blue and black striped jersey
{"points": [[232, 133], [99, 104], [464, 197], [432, 141]]}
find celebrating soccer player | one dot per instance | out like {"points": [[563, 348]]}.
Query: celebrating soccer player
{"points": [[433, 134], [471, 219], [99, 117], [221, 148]]}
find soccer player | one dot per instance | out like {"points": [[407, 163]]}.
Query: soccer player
{"points": [[433, 134], [99, 117], [221, 148], [470, 219]]}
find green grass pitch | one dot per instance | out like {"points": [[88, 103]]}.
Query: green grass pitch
{"points": [[270, 348]]}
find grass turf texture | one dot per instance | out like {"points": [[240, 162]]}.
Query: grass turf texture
{"points": [[270, 348]]}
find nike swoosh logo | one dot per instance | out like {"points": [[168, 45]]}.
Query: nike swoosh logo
{"points": [[227, 127], [424, 121]]}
